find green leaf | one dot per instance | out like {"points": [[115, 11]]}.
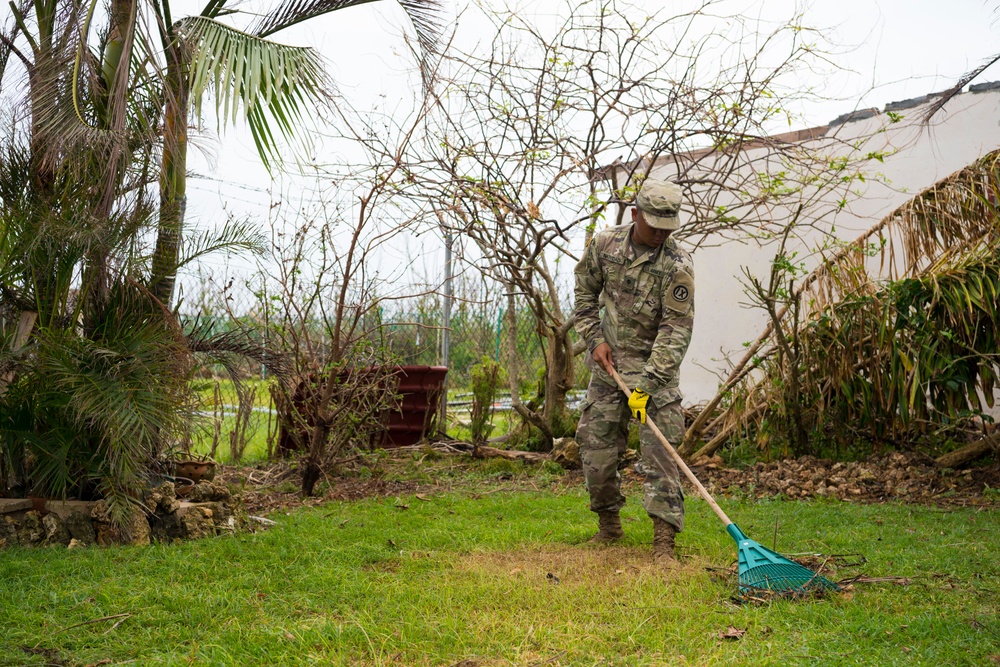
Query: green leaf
{"points": [[264, 83]]}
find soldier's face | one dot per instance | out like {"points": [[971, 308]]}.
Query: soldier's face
{"points": [[643, 234]]}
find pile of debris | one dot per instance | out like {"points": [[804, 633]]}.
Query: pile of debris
{"points": [[903, 476]]}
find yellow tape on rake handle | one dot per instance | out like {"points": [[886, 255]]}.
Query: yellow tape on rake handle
{"points": [[676, 457]]}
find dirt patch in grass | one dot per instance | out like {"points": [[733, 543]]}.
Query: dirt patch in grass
{"points": [[606, 567]]}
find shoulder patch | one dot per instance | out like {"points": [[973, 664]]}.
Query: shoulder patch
{"points": [[679, 294]]}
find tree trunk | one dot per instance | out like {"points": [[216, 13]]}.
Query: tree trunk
{"points": [[173, 176], [558, 378], [530, 416], [312, 464]]}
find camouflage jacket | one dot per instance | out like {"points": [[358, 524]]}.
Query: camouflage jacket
{"points": [[648, 308]]}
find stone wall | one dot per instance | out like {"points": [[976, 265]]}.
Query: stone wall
{"points": [[207, 509]]}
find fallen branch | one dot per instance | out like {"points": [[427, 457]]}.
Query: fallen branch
{"points": [[484, 452], [97, 620], [969, 453]]}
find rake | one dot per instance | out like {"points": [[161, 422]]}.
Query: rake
{"points": [[760, 569]]}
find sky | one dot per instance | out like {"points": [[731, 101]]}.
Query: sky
{"points": [[885, 50], [888, 50]]}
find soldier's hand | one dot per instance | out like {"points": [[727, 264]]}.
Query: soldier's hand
{"points": [[637, 404], [602, 355]]}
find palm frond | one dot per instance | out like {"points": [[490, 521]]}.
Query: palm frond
{"points": [[272, 83], [234, 236], [232, 348], [291, 12], [966, 78], [425, 15]]}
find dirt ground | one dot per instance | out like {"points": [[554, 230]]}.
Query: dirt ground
{"points": [[896, 476]]}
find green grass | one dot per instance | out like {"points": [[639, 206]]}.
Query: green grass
{"points": [[471, 575]]}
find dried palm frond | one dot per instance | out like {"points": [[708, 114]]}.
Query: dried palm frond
{"points": [[968, 77], [898, 329]]}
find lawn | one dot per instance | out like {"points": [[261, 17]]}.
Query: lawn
{"points": [[493, 571]]}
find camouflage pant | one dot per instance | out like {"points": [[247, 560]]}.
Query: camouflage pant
{"points": [[603, 437]]}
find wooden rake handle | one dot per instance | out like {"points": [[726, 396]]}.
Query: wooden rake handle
{"points": [[675, 456]]}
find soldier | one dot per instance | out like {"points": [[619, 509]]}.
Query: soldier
{"points": [[644, 283]]}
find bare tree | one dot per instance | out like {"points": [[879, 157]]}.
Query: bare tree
{"points": [[321, 294], [534, 138]]}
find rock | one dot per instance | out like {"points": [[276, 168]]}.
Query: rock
{"points": [[66, 507], [55, 531], [204, 492], [75, 544], [196, 522], [628, 457], [134, 532], [81, 529], [11, 505], [165, 528], [8, 532], [566, 452], [221, 514], [32, 531], [163, 498]]}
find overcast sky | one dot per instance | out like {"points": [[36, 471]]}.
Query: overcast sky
{"points": [[888, 50]]}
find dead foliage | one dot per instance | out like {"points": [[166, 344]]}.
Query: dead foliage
{"points": [[909, 477], [895, 476], [894, 336]]}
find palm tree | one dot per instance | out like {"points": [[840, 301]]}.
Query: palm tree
{"points": [[266, 83], [93, 366], [93, 376]]}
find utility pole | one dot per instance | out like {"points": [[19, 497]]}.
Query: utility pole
{"points": [[446, 331]]}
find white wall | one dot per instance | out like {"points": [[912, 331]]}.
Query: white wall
{"points": [[968, 128]]}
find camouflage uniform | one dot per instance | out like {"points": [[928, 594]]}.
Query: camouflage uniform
{"points": [[648, 304]]}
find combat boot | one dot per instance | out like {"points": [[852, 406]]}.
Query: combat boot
{"points": [[609, 528], [663, 539]]}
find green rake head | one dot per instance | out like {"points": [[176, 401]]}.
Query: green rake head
{"points": [[761, 569]]}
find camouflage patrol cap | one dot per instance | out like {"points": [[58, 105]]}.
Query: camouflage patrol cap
{"points": [[660, 201]]}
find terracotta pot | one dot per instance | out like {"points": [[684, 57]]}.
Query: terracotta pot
{"points": [[196, 471]]}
